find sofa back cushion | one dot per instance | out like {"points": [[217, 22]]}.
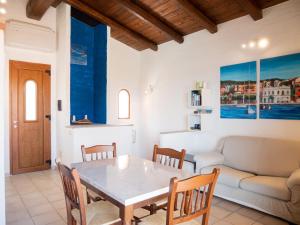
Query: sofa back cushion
{"points": [[261, 156]]}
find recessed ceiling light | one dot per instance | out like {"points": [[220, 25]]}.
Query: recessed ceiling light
{"points": [[244, 46], [252, 44], [3, 1], [2, 11], [263, 43]]}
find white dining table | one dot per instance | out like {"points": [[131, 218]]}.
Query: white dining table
{"points": [[128, 182]]}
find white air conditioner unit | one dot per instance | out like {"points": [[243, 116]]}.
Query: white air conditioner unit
{"points": [[30, 36]]}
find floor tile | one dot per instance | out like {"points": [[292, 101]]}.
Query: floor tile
{"points": [[17, 216], [237, 219], [60, 204], [22, 222], [60, 222], [269, 220], [229, 206], [251, 213], [219, 212], [46, 218], [40, 209], [222, 223], [55, 197]]}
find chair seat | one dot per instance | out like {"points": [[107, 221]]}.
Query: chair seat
{"points": [[99, 213], [160, 219]]}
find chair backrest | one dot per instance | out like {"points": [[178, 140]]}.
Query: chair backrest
{"points": [[168, 156], [194, 196], [73, 192], [98, 152]]}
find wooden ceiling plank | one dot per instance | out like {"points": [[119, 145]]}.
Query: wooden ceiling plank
{"points": [[110, 22], [250, 7], [149, 18], [204, 20], [35, 9]]}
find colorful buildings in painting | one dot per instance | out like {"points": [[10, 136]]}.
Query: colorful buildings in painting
{"points": [[280, 91], [237, 92], [297, 90], [276, 95]]}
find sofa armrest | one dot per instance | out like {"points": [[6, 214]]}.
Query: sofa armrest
{"points": [[205, 159], [294, 179]]}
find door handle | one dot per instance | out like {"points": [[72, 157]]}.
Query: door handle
{"points": [[15, 122], [48, 117]]}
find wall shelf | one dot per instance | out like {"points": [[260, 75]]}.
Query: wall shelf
{"points": [[199, 102]]}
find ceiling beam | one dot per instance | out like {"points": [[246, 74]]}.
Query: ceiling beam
{"points": [[202, 18], [110, 22], [150, 18], [35, 9], [250, 7], [56, 3]]}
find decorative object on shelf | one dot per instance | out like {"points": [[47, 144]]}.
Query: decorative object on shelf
{"points": [[73, 119], [194, 122], [203, 111], [238, 91], [199, 85], [81, 122], [280, 87], [195, 98]]}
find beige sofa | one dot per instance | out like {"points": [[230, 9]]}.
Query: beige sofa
{"points": [[260, 173]]}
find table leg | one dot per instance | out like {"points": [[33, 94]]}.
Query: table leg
{"points": [[126, 214]]}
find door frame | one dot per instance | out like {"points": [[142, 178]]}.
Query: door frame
{"points": [[31, 65]]}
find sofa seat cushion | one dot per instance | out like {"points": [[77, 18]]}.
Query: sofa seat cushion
{"points": [[275, 187], [228, 176]]}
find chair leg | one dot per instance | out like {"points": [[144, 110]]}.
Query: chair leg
{"points": [[88, 198], [153, 209], [205, 219]]}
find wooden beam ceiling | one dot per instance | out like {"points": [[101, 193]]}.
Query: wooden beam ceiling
{"points": [[203, 19], [110, 22], [35, 9], [143, 24], [149, 18], [251, 8]]}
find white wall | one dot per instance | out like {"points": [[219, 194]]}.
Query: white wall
{"points": [[174, 69], [16, 10], [124, 73], [2, 119], [63, 76]]}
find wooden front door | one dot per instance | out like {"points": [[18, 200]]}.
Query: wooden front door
{"points": [[30, 117]]}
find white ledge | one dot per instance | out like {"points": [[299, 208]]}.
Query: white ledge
{"points": [[179, 131], [97, 125]]}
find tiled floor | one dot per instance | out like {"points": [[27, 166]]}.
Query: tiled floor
{"points": [[37, 199]]}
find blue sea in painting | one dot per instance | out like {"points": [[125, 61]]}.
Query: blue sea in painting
{"points": [[238, 112], [281, 111]]}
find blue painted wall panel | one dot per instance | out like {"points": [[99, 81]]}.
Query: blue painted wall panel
{"points": [[88, 71], [100, 81]]}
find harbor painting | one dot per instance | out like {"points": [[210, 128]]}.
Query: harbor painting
{"points": [[280, 87], [238, 91]]}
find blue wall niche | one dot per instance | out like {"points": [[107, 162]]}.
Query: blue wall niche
{"points": [[88, 71]]}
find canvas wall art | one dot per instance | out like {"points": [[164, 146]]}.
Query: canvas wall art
{"points": [[280, 87], [238, 91]]}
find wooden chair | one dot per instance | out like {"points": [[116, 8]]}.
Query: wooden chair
{"points": [[101, 212], [97, 152], [194, 197], [167, 157]]}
